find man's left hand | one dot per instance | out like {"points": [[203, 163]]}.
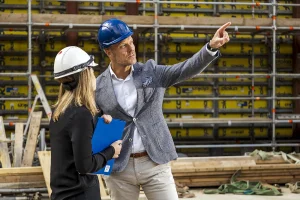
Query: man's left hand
{"points": [[107, 118], [220, 38]]}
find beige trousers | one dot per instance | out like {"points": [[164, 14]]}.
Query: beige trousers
{"points": [[156, 180]]}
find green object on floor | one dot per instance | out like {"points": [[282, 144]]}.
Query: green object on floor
{"points": [[244, 187]]}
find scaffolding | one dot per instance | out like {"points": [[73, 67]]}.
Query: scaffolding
{"points": [[153, 23]]}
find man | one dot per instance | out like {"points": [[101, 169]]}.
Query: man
{"points": [[134, 92]]}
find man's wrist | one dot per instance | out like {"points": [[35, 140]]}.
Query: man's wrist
{"points": [[211, 49]]}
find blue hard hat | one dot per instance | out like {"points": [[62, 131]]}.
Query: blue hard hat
{"points": [[112, 31]]}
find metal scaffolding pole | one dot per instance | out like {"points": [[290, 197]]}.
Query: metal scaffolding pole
{"points": [[29, 54], [156, 25], [274, 77]]}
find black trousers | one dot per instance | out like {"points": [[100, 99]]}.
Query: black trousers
{"points": [[90, 193]]}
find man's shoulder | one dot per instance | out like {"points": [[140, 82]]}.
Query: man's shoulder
{"points": [[146, 65], [103, 74]]}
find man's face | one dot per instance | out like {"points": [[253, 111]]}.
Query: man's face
{"points": [[122, 53]]}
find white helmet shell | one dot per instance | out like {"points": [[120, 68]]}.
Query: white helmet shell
{"points": [[71, 60]]}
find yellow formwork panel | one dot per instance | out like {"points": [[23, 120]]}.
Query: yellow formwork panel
{"points": [[284, 132], [284, 90], [16, 105], [244, 48], [51, 90], [90, 46], [284, 62], [242, 62], [14, 46], [186, 133], [19, 60], [185, 104], [284, 104], [187, 5], [55, 46], [242, 90], [189, 90], [233, 132], [241, 104]]}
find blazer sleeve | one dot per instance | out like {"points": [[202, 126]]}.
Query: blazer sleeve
{"points": [[170, 75], [82, 132]]}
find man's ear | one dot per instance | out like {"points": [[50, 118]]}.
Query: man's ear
{"points": [[107, 52]]}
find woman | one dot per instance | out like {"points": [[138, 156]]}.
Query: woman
{"points": [[72, 127]]}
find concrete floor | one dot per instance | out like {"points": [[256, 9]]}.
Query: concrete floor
{"points": [[287, 195]]}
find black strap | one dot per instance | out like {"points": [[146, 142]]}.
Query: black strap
{"points": [[80, 66]]}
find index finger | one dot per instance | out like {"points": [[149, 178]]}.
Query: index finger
{"points": [[222, 28]]}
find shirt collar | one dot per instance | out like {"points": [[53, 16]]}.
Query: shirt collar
{"points": [[112, 73]]}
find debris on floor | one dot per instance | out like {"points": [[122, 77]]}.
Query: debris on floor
{"points": [[183, 191]]}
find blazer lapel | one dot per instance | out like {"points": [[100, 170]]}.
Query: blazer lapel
{"points": [[109, 89], [137, 79]]}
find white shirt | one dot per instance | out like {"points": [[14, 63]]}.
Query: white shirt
{"points": [[126, 95]]}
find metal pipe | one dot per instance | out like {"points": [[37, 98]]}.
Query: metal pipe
{"points": [[252, 79], [156, 25], [14, 99], [14, 74], [27, 190], [274, 78], [247, 75], [184, 2], [29, 54], [227, 98], [42, 140], [235, 145]]}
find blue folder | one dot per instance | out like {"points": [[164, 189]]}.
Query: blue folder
{"points": [[104, 135]]}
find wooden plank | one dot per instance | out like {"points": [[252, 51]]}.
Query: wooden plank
{"points": [[45, 160], [32, 139], [18, 146], [102, 187], [145, 20], [192, 159], [20, 171], [4, 155], [23, 185], [22, 178], [242, 173]]}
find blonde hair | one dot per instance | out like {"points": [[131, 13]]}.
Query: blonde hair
{"points": [[82, 95]]}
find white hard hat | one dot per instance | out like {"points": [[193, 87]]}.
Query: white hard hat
{"points": [[71, 60]]}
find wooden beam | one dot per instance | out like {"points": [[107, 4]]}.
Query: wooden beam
{"points": [[20, 171], [18, 146], [45, 160], [32, 139], [146, 20], [4, 155], [103, 192]]}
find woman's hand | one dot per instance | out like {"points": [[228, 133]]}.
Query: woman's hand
{"points": [[117, 146], [107, 118]]}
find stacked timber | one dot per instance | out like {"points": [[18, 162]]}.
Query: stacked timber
{"points": [[215, 171]]}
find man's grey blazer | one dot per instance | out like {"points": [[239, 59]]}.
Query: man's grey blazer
{"points": [[150, 81]]}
